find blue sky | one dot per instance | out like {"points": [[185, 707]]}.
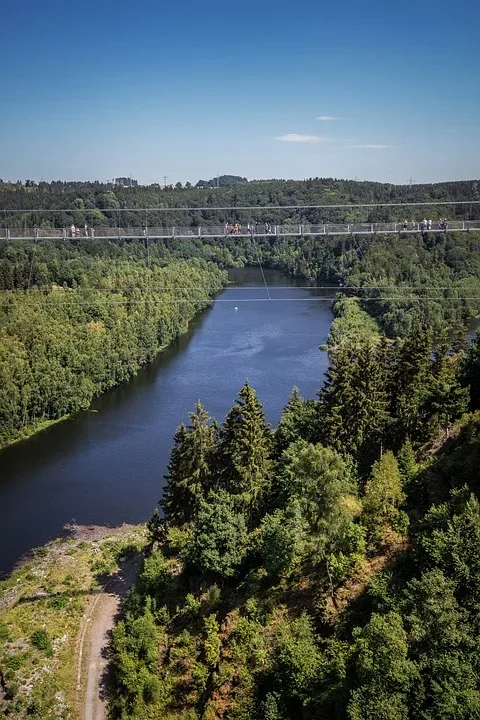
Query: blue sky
{"points": [[188, 89]]}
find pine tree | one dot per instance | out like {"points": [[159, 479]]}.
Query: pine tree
{"points": [[299, 420], [446, 400], [189, 475], [244, 457], [354, 402], [407, 463], [411, 385], [383, 492], [471, 372]]}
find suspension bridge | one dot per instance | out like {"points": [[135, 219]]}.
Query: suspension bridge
{"points": [[265, 230]]}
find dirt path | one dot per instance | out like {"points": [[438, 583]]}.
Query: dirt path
{"points": [[94, 639]]}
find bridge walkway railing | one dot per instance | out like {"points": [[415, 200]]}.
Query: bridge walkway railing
{"points": [[290, 230]]}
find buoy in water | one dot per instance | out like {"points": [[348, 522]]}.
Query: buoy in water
{"points": [[236, 308]]}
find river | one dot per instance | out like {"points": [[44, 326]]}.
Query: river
{"points": [[105, 466]]}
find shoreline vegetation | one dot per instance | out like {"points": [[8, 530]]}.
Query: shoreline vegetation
{"points": [[41, 425], [88, 320]]}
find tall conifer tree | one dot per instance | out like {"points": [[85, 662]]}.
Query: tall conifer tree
{"points": [[411, 383], [354, 402], [299, 420], [244, 458], [189, 471]]}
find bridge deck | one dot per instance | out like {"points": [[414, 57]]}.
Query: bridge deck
{"points": [[304, 230]]}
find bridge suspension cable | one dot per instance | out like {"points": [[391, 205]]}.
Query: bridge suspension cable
{"points": [[429, 203]]}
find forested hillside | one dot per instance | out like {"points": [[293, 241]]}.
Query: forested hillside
{"points": [[99, 204], [76, 320], [304, 572], [400, 280]]}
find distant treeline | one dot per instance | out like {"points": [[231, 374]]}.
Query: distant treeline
{"points": [[107, 204]]}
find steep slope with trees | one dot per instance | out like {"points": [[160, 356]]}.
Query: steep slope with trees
{"points": [[307, 573]]}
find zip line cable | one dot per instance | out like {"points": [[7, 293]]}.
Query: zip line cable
{"points": [[261, 268], [335, 289], [166, 301]]}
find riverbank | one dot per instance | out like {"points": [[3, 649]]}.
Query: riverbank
{"points": [[43, 605], [105, 466], [34, 429]]}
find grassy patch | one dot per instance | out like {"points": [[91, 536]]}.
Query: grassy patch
{"points": [[41, 609]]}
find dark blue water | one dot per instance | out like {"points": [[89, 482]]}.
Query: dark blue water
{"points": [[105, 466]]}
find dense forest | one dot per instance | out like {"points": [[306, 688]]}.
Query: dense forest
{"points": [[75, 321], [327, 569], [402, 280], [79, 316], [98, 204]]}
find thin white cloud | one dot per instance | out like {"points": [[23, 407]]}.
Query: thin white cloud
{"points": [[373, 147], [326, 118], [298, 138]]}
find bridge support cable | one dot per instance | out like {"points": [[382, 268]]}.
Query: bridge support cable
{"points": [[260, 266]]}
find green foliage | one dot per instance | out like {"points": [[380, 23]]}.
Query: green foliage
{"points": [[4, 632], [93, 316], [220, 536], [299, 420], [15, 662], [407, 464], [383, 493], [412, 379], [297, 660], [135, 652], [60, 601], [155, 529], [212, 642], [471, 372], [41, 640], [280, 540], [351, 325], [155, 580], [354, 401], [443, 647], [244, 454], [383, 670], [190, 467]]}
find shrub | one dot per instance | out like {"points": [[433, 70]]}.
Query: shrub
{"points": [[40, 552], [41, 640], [4, 634], [59, 602], [15, 662], [212, 641]]}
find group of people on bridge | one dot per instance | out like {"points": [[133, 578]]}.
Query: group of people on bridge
{"points": [[252, 228], [426, 225], [75, 231]]}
